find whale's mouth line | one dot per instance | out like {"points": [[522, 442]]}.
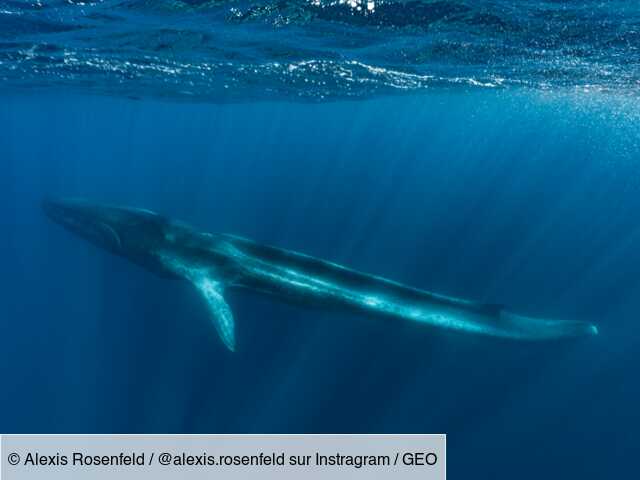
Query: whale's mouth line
{"points": [[83, 219], [65, 213]]}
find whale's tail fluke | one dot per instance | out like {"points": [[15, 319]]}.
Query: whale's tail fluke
{"points": [[528, 328]]}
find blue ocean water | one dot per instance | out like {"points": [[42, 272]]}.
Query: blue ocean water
{"points": [[313, 50], [486, 150]]}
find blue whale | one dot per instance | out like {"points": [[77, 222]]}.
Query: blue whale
{"points": [[214, 263]]}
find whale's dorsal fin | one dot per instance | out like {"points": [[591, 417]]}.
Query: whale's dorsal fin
{"points": [[220, 311]]}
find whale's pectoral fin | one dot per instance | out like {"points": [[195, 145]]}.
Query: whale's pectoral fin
{"points": [[222, 315]]}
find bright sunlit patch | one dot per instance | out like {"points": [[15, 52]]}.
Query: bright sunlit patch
{"points": [[365, 6], [372, 301]]}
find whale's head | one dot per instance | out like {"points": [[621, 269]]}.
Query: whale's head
{"points": [[130, 232]]}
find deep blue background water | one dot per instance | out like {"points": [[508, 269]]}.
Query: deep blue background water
{"points": [[522, 198]]}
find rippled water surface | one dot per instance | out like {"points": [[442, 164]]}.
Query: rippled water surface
{"points": [[234, 50]]}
